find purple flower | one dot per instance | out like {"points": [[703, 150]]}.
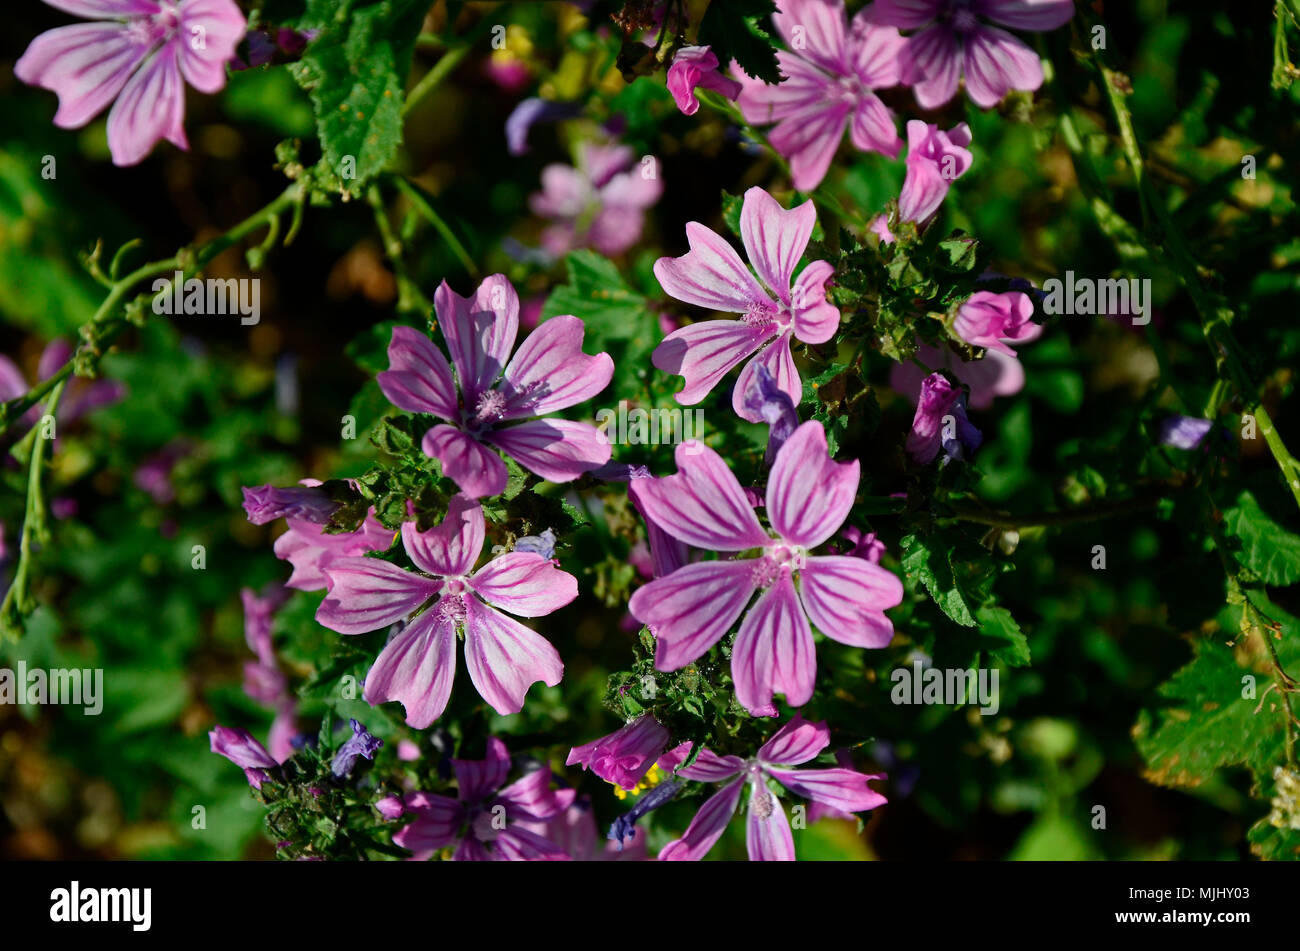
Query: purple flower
{"points": [[486, 822], [308, 548], [625, 755], [418, 665], [139, 52], [832, 71], [808, 497], [711, 275], [768, 834], [266, 503], [360, 743], [548, 372], [954, 39], [543, 544], [995, 374], [600, 204], [866, 546], [240, 748], [940, 423], [79, 396], [574, 831], [935, 160], [624, 827], [697, 67], [1183, 432], [774, 407], [528, 113], [993, 321]]}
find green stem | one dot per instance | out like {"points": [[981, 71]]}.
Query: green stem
{"points": [[410, 299], [449, 61], [425, 207]]}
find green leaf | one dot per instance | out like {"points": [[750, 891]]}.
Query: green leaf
{"points": [[998, 624], [1267, 549], [732, 29], [930, 561], [355, 72]]}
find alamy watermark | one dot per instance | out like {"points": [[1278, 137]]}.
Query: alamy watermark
{"points": [[652, 427], [175, 296], [953, 686], [1115, 297], [65, 686]]}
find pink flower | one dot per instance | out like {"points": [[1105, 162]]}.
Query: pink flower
{"points": [[993, 320], [79, 396], [831, 73], [240, 748], [940, 423], [600, 204], [954, 40], [485, 823], [808, 497], [697, 66], [994, 375], [934, 161], [307, 547], [139, 52], [625, 755], [768, 836], [712, 275], [548, 372], [574, 831], [417, 665]]}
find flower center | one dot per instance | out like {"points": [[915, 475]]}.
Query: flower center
{"points": [[451, 607], [962, 18], [488, 408], [778, 558], [766, 316]]}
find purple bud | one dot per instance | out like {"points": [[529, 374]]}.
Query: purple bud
{"points": [[1183, 432], [543, 544], [360, 743], [266, 503]]}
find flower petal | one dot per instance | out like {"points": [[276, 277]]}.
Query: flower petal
{"points": [[366, 594], [550, 372], [796, 742], [151, 107], [480, 331], [477, 779], [843, 789], [775, 238], [85, 64], [1039, 15], [474, 467], [846, 597], [997, 62], [810, 141], [504, 658], [558, 450], [451, 547], [707, 826], [767, 830], [774, 652], [710, 275], [779, 362], [708, 767], [437, 824], [692, 608], [815, 318], [820, 35], [702, 505], [525, 584], [209, 31], [702, 353], [808, 493], [932, 66], [418, 378], [416, 668], [531, 798]]}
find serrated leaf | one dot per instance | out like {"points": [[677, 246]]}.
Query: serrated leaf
{"points": [[736, 29], [930, 562], [998, 624], [1267, 549]]}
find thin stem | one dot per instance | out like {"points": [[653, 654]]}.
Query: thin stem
{"points": [[410, 298], [424, 207], [449, 61]]}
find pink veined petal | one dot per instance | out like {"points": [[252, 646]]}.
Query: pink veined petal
{"points": [[873, 128], [796, 742], [480, 331], [474, 467], [821, 38], [602, 162], [924, 190], [810, 141], [842, 789], [932, 66], [418, 378], [710, 274], [517, 844], [525, 584], [106, 9], [708, 767], [150, 107], [876, 52], [808, 493], [531, 798], [774, 238], [815, 318], [779, 361], [702, 505], [471, 849], [846, 598], [703, 353], [774, 652], [905, 14], [504, 658], [688, 67], [707, 826], [1038, 15], [558, 450], [209, 31], [767, 830], [692, 608], [416, 668], [997, 62], [366, 594], [477, 779], [451, 547], [550, 372], [436, 826], [803, 91], [85, 64]]}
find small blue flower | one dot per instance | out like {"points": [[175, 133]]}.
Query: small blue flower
{"points": [[360, 743]]}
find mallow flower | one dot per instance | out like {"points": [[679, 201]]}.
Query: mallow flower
{"points": [[548, 372], [956, 38], [832, 70], [623, 757], [994, 321], [767, 830], [244, 751], [696, 67], [443, 599], [308, 547], [139, 52], [359, 744], [808, 498], [308, 502], [712, 275], [935, 159], [486, 822], [599, 204], [993, 375], [940, 423]]}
